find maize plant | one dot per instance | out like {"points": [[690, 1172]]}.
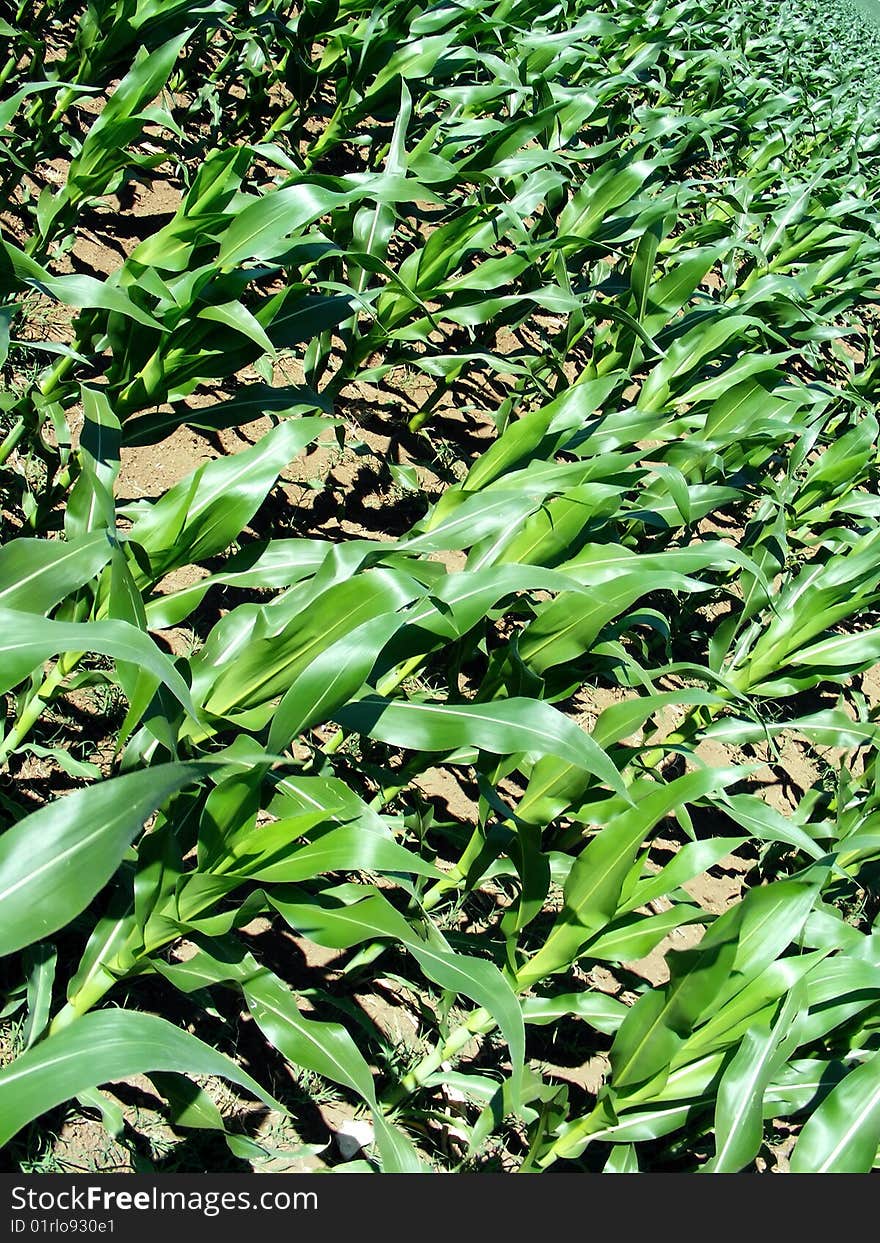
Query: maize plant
{"points": [[440, 580]]}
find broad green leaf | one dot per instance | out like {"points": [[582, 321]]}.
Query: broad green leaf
{"points": [[54, 861], [843, 1135], [40, 961], [504, 728], [465, 975], [593, 889], [739, 1107], [347, 848], [275, 658], [100, 1047], [28, 641], [207, 510], [36, 574]]}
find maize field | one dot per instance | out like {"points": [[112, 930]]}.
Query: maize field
{"points": [[440, 585]]}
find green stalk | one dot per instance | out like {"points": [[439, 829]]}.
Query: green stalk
{"points": [[48, 389], [83, 1001], [99, 984], [386, 685], [328, 137], [11, 442], [67, 98], [456, 877], [38, 703], [281, 121], [478, 1023], [8, 69]]}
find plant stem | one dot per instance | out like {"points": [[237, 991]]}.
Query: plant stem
{"points": [[386, 685], [37, 704], [12, 440], [47, 390], [8, 69], [458, 874], [52, 383], [478, 1023]]}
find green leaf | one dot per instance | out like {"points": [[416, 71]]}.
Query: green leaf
{"points": [[208, 509], [36, 574], [326, 1048], [40, 961], [622, 1160], [278, 654], [345, 849], [843, 1135], [334, 676], [98, 1048], [739, 1106], [593, 888], [464, 975], [54, 861], [76, 290], [30, 640], [504, 728], [597, 1009]]}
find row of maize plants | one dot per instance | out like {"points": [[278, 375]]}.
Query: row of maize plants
{"points": [[638, 243]]}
